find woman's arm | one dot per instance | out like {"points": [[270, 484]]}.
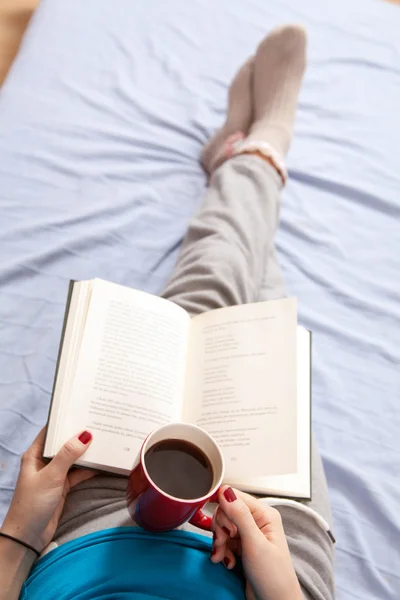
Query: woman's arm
{"points": [[36, 508], [16, 562]]}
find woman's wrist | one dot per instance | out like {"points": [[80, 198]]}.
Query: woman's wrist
{"points": [[16, 564], [16, 540], [290, 591], [16, 552], [21, 531]]}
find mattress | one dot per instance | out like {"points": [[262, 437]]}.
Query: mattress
{"points": [[102, 120]]}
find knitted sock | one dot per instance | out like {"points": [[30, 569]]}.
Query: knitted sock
{"points": [[237, 122], [278, 73]]}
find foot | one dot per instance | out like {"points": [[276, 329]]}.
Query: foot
{"points": [[278, 73], [238, 120]]}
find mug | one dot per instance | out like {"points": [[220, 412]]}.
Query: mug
{"points": [[155, 510]]}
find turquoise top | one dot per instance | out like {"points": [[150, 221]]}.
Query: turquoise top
{"points": [[128, 562]]}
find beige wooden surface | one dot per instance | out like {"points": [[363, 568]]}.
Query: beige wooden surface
{"points": [[14, 17]]}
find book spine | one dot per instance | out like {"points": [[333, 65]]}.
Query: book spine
{"points": [[64, 327]]}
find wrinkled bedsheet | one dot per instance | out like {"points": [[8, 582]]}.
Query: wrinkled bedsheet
{"points": [[102, 120]]}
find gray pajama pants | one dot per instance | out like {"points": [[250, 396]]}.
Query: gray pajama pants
{"points": [[227, 258]]}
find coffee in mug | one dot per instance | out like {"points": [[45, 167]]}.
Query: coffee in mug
{"points": [[179, 468]]}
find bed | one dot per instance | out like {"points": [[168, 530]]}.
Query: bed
{"points": [[102, 120]]}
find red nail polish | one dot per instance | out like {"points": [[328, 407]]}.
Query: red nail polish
{"points": [[230, 495], [226, 530], [213, 551], [226, 562], [85, 437]]}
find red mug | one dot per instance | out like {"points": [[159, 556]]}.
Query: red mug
{"points": [[155, 510]]}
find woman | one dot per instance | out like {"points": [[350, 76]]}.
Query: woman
{"points": [[92, 548]]}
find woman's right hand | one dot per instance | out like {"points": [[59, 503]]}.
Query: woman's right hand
{"points": [[41, 490], [244, 527]]}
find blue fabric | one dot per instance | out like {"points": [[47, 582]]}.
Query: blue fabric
{"points": [[101, 124], [124, 563]]}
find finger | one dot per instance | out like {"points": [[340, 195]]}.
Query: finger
{"points": [[220, 536], [70, 452], [218, 549], [222, 552], [236, 546], [226, 524], [238, 512], [267, 518], [229, 559], [220, 521], [79, 475]]}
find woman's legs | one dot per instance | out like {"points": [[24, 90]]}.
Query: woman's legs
{"points": [[228, 248], [231, 240], [221, 263], [225, 255]]}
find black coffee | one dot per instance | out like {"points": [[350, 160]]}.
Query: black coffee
{"points": [[179, 468]]}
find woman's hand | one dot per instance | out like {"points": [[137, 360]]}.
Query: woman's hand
{"points": [[244, 527], [41, 490]]}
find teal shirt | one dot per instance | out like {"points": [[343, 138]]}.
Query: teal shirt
{"points": [[128, 562]]}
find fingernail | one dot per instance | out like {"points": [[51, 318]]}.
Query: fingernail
{"points": [[230, 495], [226, 562], [226, 530], [85, 437], [213, 551]]}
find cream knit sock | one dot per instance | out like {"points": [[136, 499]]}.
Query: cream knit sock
{"points": [[278, 72], [238, 119]]}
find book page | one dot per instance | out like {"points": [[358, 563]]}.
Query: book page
{"points": [[241, 385], [297, 484], [130, 373]]}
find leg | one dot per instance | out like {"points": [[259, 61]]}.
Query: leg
{"points": [[222, 263], [223, 256], [228, 257], [310, 548]]}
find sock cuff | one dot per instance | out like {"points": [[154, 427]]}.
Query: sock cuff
{"points": [[244, 146]]}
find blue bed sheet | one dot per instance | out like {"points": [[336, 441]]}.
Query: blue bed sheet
{"points": [[102, 120]]}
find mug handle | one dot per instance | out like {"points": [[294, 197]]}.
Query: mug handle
{"points": [[200, 519]]}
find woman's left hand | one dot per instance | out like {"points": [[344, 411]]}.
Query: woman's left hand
{"points": [[41, 490], [244, 527]]}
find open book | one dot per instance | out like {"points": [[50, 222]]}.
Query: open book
{"points": [[130, 362]]}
